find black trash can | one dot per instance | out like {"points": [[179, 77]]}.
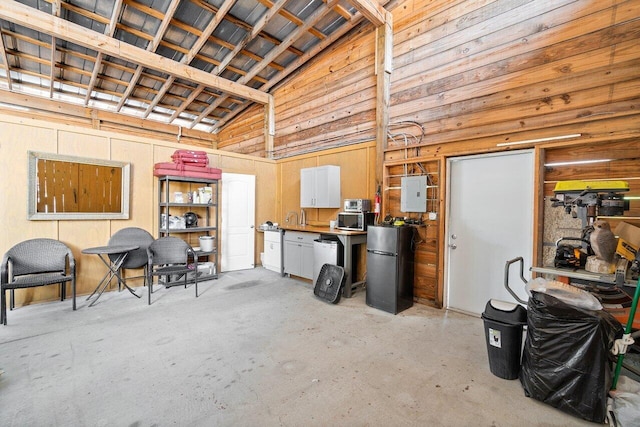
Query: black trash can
{"points": [[503, 324]]}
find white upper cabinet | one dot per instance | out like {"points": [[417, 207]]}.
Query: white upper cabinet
{"points": [[320, 187]]}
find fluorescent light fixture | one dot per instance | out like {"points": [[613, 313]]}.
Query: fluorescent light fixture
{"points": [[528, 141], [578, 162]]}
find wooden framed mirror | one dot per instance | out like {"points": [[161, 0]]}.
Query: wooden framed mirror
{"points": [[68, 187]]}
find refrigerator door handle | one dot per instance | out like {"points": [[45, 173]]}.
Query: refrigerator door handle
{"points": [[373, 251]]}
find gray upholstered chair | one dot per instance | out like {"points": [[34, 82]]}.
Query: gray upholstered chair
{"points": [[136, 258], [168, 257], [36, 262]]}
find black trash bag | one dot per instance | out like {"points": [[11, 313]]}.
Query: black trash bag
{"points": [[566, 361]]}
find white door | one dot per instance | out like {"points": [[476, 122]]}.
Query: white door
{"points": [[489, 221], [238, 222]]}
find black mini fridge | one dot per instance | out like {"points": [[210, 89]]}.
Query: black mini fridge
{"points": [[390, 268]]}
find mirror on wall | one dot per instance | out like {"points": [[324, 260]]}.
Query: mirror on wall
{"points": [[67, 187]]}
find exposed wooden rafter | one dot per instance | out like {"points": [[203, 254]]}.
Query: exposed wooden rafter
{"points": [[213, 24], [318, 14], [151, 47], [55, 11], [34, 19], [110, 30], [5, 61], [257, 29], [357, 18], [181, 62]]}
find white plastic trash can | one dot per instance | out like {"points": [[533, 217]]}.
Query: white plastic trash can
{"points": [[206, 243]]}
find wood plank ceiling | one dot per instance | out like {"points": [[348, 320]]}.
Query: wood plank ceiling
{"points": [[191, 63]]}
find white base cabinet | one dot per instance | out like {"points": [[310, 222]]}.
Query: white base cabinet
{"points": [[272, 251], [298, 253]]}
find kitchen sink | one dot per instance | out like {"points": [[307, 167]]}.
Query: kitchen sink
{"points": [[265, 227]]}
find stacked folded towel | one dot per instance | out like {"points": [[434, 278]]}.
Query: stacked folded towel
{"points": [[187, 163], [191, 158]]}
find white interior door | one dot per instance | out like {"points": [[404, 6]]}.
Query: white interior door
{"points": [[238, 222], [489, 221]]}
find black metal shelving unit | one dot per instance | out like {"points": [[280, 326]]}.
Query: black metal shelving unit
{"points": [[207, 211]]}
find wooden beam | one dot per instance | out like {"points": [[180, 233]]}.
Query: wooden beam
{"points": [[5, 60], [211, 27], [538, 205], [333, 4], [240, 23], [257, 29], [151, 47], [270, 128], [84, 12], [40, 21], [371, 10], [76, 113], [290, 16], [383, 63], [55, 11], [164, 25], [110, 30], [133, 83]]}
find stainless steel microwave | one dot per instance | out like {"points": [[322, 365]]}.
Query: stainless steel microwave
{"points": [[355, 220], [357, 205]]}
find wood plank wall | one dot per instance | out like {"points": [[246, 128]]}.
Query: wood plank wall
{"points": [[468, 75], [496, 68], [331, 103], [426, 245]]}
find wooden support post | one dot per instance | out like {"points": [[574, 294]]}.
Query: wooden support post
{"points": [[95, 119], [538, 206], [384, 66], [269, 127]]}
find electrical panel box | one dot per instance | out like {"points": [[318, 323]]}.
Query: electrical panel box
{"points": [[413, 194]]}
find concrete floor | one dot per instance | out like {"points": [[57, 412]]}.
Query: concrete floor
{"points": [[254, 349]]}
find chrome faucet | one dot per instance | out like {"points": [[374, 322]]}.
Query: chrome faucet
{"points": [[303, 217], [290, 213]]}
